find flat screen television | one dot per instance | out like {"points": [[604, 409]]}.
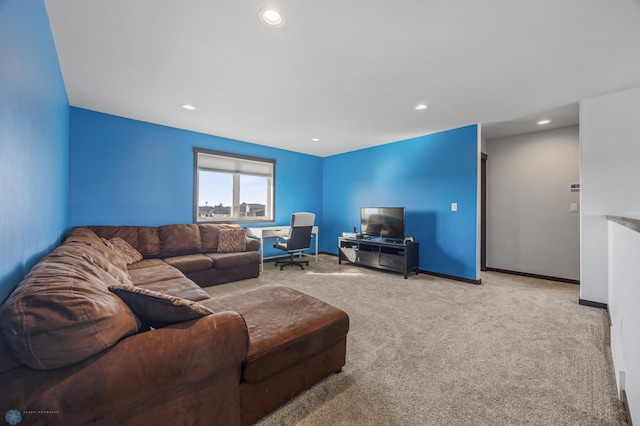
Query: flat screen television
{"points": [[382, 222]]}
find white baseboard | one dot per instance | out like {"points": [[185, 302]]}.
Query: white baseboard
{"points": [[618, 361]]}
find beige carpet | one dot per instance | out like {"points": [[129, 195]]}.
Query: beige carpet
{"points": [[431, 351]]}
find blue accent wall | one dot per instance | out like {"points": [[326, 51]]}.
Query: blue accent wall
{"points": [[34, 117], [128, 172], [62, 167], [424, 175]]}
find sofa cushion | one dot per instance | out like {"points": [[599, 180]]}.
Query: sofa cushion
{"points": [[158, 309], [143, 238], [285, 327], [128, 252], [232, 240], [82, 234], [7, 360], [190, 262], [234, 260], [145, 263], [159, 272], [167, 279], [210, 234], [148, 241], [97, 258], [179, 287], [62, 312], [176, 240], [127, 233], [86, 236]]}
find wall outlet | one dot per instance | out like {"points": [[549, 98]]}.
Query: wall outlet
{"points": [[573, 207]]}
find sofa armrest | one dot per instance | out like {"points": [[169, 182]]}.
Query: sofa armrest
{"points": [[253, 244], [150, 375]]}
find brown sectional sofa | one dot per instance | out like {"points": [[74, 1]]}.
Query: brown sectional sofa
{"points": [[74, 352], [192, 249]]}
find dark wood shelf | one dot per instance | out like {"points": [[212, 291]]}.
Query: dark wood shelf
{"points": [[379, 254]]}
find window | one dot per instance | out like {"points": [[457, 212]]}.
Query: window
{"points": [[233, 188]]}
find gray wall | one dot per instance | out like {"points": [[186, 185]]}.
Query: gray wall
{"points": [[530, 228]]}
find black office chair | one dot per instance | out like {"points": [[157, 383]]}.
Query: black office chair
{"points": [[299, 238]]}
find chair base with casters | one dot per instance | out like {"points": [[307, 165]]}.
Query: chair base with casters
{"points": [[298, 239], [290, 261]]}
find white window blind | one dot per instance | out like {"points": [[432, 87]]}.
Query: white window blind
{"points": [[217, 163]]}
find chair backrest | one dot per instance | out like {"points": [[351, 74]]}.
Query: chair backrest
{"points": [[300, 231]]}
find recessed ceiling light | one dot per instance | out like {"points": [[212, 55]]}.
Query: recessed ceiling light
{"points": [[315, 140], [188, 107], [420, 107], [543, 122], [271, 17]]}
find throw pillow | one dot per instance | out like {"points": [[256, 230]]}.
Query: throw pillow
{"points": [[130, 254], [159, 309], [232, 240]]}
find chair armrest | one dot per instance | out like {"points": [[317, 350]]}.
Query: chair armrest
{"points": [[281, 243], [145, 371]]}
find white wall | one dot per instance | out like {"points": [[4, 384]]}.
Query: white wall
{"points": [[610, 172], [624, 295], [610, 155], [530, 228]]}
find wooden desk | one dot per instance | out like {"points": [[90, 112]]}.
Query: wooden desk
{"points": [[276, 231]]}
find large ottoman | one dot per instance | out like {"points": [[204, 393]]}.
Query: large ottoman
{"points": [[295, 341]]}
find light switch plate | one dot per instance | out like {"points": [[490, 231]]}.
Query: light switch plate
{"points": [[454, 207]]}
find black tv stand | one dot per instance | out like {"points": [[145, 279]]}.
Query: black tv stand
{"points": [[388, 255]]}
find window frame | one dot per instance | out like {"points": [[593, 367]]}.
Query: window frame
{"points": [[271, 192]]}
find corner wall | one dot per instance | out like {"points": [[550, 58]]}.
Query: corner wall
{"points": [[530, 228], [424, 175], [610, 154], [609, 158], [34, 117]]}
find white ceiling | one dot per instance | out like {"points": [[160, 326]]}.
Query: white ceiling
{"points": [[564, 116], [346, 72]]}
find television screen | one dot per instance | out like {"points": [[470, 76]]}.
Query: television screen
{"points": [[382, 222]]}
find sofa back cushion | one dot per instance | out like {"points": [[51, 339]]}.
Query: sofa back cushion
{"points": [[95, 256], [86, 236], [62, 312], [210, 235], [143, 238], [176, 240]]}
